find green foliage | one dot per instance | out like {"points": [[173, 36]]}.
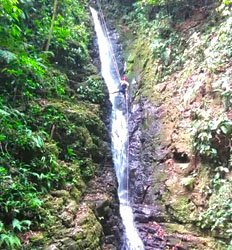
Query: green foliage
{"points": [[70, 35], [25, 71], [217, 45], [24, 74], [29, 164], [7, 56], [45, 144], [21, 225], [10, 15], [218, 215], [223, 87], [212, 139], [9, 240], [92, 91], [227, 2], [166, 45], [188, 181]]}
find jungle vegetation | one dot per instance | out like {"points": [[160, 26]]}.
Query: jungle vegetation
{"points": [[49, 109], [51, 134]]}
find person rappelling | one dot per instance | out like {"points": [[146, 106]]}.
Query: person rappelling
{"points": [[123, 87]]}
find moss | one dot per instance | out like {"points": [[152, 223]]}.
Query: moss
{"points": [[159, 178], [91, 230], [180, 209], [52, 148], [55, 203], [60, 193], [183, 229], [137, 57], [76, 194], [74, 177], [39, 238]]}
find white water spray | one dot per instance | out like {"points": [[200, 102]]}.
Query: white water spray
{"points": [[119, 135]]}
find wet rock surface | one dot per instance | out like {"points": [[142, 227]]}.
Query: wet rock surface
{"points": [[153, 180], [102, 198]]}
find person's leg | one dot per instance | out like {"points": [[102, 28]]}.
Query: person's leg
{"points": [[125, 97], [115, 92]]}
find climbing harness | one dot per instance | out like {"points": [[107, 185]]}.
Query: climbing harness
{"points": [[126, 101]]}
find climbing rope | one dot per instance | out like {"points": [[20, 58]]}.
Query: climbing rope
{"points": [[126, 101], [109, 41], [128, 152]]}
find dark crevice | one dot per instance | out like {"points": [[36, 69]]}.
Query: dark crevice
{"points": [[181, 157]]}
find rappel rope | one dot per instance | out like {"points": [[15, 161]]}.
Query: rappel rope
{"points": [[128, 151], [119, 78], [108, 38]]}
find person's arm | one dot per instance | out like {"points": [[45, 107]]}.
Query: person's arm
{"points": [[127, 84]]}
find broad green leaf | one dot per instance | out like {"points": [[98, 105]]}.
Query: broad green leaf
{"points": [[7, 56], [1, 226], [16, 224], [224, 129], [3, 112], [2, 137]]}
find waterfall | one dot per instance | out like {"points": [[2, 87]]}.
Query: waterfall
{"points": [[119, 135]]}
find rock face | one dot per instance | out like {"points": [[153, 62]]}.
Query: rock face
{"points": [[145, 155], [102, 198], [160, 204]]}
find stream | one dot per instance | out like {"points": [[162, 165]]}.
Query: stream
{"points": [[119, 135]]}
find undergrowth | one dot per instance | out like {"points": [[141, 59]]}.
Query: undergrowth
{"points": [[51, 134]]}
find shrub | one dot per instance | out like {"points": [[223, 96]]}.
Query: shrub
{"points": [[218, 215], [212, 139], [92, 91]]}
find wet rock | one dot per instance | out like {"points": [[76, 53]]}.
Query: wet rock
{"points": [[144, 213], [52, 247], [37, 239], [103, 207], [156, 189], [60, 193], [109, 247], [67, 218], [72, 207], [69, 244], [76, 194], [66, 232]]}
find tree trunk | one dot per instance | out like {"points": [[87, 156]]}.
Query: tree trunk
{"points": [[52, 25]]}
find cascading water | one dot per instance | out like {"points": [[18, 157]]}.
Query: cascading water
{"points": [[119, 135]]}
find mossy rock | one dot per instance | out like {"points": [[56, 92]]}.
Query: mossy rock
{"points": [[38, 238], [89, 235], [76, 194], [179, 209], [60, 193]]}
